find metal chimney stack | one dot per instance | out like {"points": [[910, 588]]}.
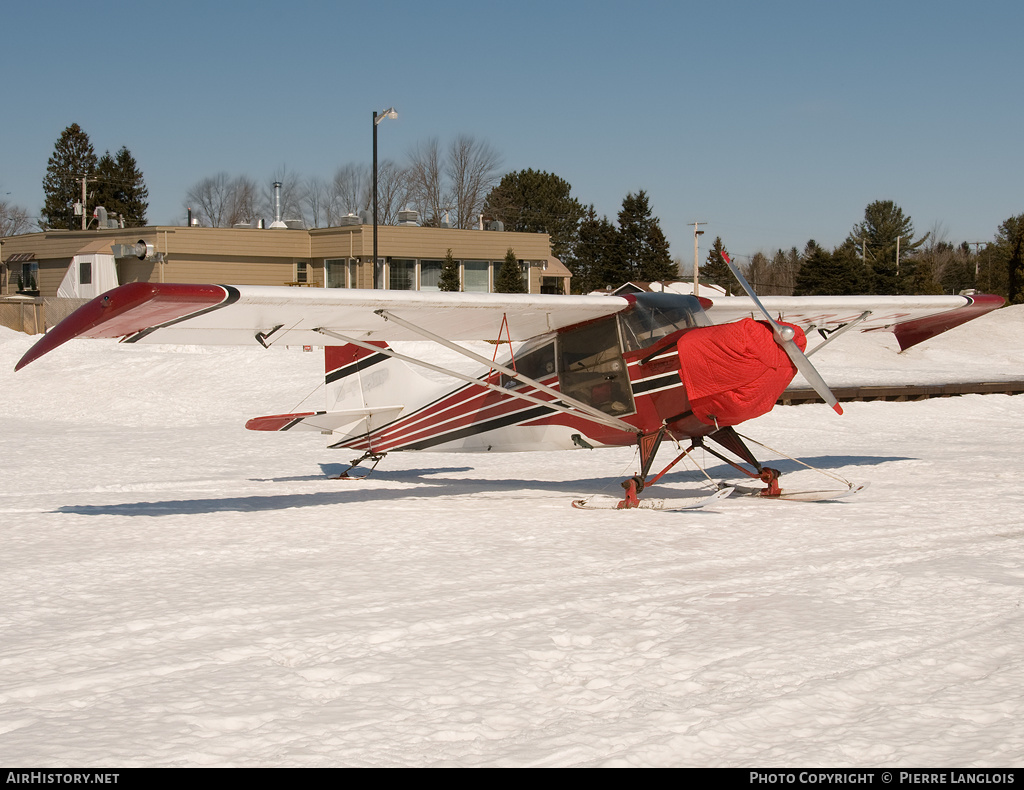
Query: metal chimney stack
{"points": [[277, 201]]}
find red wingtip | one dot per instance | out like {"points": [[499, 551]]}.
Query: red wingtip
{"points": [[838, 409], [910, 333], [125, 310], [725, 257]]}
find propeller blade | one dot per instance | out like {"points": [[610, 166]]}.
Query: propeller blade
{"points": [[784, 337]]}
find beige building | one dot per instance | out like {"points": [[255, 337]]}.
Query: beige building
{"points": [[82, 264]]}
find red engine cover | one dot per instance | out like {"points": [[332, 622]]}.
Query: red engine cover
{"points": [[734, 372]]}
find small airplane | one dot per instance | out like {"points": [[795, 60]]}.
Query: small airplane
{"points": [[588, 371]]}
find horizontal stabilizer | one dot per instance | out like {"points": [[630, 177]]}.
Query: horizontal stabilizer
{"points": [[322, 421]]}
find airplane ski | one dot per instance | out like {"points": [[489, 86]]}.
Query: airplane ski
{"points": [[667, 505], [793, 495]]}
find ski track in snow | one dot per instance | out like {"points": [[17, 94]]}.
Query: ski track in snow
{"points": [[178, 591]]}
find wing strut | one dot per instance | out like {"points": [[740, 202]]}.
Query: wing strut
{"points": [[589, 413], [578, 405], [837, 332]]}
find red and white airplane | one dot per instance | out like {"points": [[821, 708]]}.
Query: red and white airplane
{"points": [[590, 371]]}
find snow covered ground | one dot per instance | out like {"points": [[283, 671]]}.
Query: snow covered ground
{"points": [[177, 591]]}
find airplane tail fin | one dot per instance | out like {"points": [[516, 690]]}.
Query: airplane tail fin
{"points": [[358, 378], [365, 389]]}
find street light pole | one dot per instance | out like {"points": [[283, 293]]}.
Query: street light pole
{"points": [[697, 233], [377, 118]]}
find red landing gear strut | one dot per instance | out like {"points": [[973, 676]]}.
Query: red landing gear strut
{"points": [[726, 437]]}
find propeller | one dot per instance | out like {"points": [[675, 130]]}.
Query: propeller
{"points": [[784, 337]]}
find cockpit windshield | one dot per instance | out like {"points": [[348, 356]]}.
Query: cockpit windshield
{"points": [[657, 315]]}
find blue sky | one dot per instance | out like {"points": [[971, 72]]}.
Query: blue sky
{"points": [[774, 122]]}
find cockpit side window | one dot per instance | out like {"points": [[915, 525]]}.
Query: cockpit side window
{"points": [[537, 364], [591, 368]]}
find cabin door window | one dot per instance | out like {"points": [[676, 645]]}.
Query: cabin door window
{"points": [[591, 368]]}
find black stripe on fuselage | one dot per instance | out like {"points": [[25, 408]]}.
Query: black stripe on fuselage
{"points": [[671, 380]]}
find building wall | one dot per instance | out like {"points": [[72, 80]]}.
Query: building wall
{"points": [[245, 256]]}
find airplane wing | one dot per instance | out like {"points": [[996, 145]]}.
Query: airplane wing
{"points": [[912, 319], [246, 315]]}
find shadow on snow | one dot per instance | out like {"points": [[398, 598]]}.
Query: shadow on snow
{"points": [[432, 485]]}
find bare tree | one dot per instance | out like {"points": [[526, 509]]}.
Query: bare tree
{"points": [[315, 200], [427, 190], [244, 204], [350, 192], [472, 171], [221, 201], [13, 219], [209, 200], [392, 191]]}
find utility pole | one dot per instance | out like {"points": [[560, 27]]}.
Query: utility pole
{"points": [[697, 233], [977, 260]]}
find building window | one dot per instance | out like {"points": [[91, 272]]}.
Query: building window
{"points": [[336, 269], [476, 276], [30, 276], [402, 274], [430, 275], [301, 272], [85, 272]]}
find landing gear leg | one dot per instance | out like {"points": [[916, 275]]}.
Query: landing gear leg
{"points": [[375, 457], [648, 445]]}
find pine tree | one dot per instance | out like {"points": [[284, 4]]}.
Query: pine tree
{"points": [[836, 273], [814, 277], [876, 236], [510, 276], [715, 270], [537, 202], [656, 264], [592, 261], [73, 157], [1010, 241], [449, 280], [120, 188], [759, 274]]}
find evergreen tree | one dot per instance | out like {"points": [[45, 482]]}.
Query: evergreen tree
{"points": [[593, 261], [510, 276], [758, 274], [537, 202], [449, 280], [839, 272], [876, 236], [120, 188], [955, 268], [782, 272], [1010, 242], [993, 270], [715, 270], [656, 263], [815, 276], [73, 157], [641, 251]]}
